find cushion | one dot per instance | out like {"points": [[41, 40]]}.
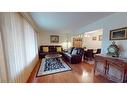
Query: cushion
{"points": [[74, 52], [58, 49], [69, 51], [45, 49], [78, 51]]}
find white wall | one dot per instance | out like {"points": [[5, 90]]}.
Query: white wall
{"points": [[92, 44], [117, 20], [44, 38]]}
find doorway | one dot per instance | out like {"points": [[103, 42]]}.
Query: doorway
{"points": [[93, 39]]}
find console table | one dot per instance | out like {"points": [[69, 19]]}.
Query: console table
{"points": [[112, 68]]}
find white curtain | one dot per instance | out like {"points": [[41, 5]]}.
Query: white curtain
{"points": [[3, 77], [20, 46], [30, 46]]}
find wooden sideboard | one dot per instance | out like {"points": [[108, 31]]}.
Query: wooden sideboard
{"points": [[112, 68]]}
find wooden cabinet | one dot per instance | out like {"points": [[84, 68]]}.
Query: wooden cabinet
{"points": [[112, 68]]}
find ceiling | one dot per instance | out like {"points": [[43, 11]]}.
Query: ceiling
{"points": [[65, 21]]}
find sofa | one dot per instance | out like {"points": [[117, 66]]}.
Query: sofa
{"points": [[73, 55], [49, 49]]}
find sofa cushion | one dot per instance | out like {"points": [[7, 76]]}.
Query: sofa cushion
{"points": [[70, 50], [45, 49], [74, 51], [58, 49], [78, 51]]}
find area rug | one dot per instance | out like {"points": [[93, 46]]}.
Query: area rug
{"points": [[52, 66]]}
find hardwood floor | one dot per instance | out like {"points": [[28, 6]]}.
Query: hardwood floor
{"points": [[81, 73]]}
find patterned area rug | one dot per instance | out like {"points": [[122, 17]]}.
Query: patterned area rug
{"points": [[52, 66]]}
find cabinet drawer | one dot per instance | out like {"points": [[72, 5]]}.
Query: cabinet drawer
{"points": [[116, 62], [100, 59]]}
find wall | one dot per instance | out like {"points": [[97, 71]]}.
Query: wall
{"points": [[44, 38], [114, 21], [92, 44]]}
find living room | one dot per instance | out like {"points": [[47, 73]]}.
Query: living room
{"points": [[63, 47], [65, 38]]}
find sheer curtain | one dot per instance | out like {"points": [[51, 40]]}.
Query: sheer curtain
{"points": [[30, 46], [3, 77], [20, 49]]}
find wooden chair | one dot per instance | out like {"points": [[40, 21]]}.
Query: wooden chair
{"points": [[98, 51], [88, 55]]}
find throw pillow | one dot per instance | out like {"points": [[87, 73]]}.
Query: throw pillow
{"points": [[69, 51], [45, 49], [58, 49], [74, 52]]}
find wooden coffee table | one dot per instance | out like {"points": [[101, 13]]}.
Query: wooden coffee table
{"points": [[53, 56]]}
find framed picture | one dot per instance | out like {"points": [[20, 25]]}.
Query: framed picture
{"points": [[94, 38], [118, 34], [100, 38], [54, 39]]}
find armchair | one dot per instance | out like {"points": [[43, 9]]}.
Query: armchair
{"points": [[73, 55]]}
